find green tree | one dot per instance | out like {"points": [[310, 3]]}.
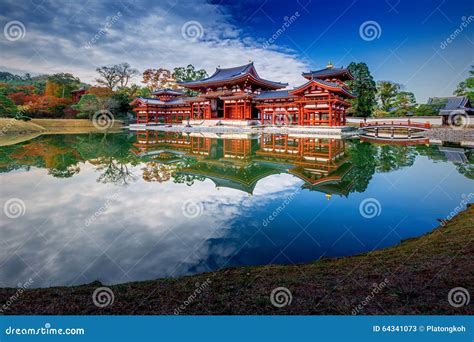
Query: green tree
{"points": [[466, 87], [386, 94], [67, 83], [87, 106], [364, 88], [7, 107], [405, 103], [431, 109], [122, 102], [6, 76], [188, 73], [135, 91]]}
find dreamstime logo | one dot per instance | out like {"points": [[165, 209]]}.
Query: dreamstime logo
{"points": [[192, 209], [465, 199], [16, 296], [192, 31], [102, 297], [376, 289], [370, 30], [458, 120], [109, 22], [458, 297], [200, 287], [103, 119], [280, 208], [20, 113], [465, 21], [14, 30], [287, 22], [284, 120], [369, 208], [102, 209], [14, 208], [281, 297]]}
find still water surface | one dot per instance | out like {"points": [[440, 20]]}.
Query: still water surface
{"points": [[129, 207]]}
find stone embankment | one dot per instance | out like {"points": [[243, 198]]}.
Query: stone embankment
{"points": [[450, 134]]}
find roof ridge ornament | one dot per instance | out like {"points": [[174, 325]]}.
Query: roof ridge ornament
{"points": [[329, 65]]}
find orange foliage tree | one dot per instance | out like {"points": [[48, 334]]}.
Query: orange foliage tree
{"points": [[158, 78], [51, 88], [40, 106], [100, 91]]}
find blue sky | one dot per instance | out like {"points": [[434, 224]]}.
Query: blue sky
{"points": [[406, 45]]}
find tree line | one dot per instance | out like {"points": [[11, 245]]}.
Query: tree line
{"points": [[388, 98], [50, 96]]}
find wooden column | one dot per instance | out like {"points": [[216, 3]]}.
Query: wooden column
{"points": [[330, 111]]}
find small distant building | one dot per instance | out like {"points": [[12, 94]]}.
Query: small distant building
{"points": [[452, 108], [166, 105], [77, 94]]}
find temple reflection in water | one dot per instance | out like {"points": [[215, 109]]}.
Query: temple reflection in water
{"points": [[240, 161]]}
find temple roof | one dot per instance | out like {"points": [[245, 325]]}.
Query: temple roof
{"points": [[325, 84], [276, 94], [168, 91], [451, 103], [178, 101], [331, 72], [233, 75]]}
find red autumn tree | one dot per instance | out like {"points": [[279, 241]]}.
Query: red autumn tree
{"points": [[18, 98], [40, 106]]}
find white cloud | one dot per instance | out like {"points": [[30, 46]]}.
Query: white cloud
{"points": [[146, 37]]}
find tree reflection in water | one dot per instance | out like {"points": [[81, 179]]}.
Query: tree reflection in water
{"points": [[185, 159]]}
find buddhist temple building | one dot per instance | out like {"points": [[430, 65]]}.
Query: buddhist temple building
{"points": [[240, 96]]}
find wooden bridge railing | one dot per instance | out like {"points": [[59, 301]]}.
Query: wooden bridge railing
{"points": [[390, 124]]}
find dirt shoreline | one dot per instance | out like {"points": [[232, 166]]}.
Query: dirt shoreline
{"points": [[413, 278], [14, 131]]}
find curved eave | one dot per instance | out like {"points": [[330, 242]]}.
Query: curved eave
{"points": [[142, 101], [274, 98], [310, 76], [167, 92], [260, 81], [136, 102], [322, 85]]}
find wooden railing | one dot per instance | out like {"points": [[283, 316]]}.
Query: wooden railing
{"points": [[395, 124]]}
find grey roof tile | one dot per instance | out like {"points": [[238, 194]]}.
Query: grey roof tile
{"points": [[326, 72], [229, 74], [274, 94]]}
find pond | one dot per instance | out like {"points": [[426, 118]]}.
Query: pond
{"points": [[138, 206]]}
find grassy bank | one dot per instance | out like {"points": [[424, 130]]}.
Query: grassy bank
{"points": [[15, 131], [12, 126], [417, 276]]}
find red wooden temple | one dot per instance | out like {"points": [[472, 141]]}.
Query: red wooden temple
{"points": [[239, 93]]}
